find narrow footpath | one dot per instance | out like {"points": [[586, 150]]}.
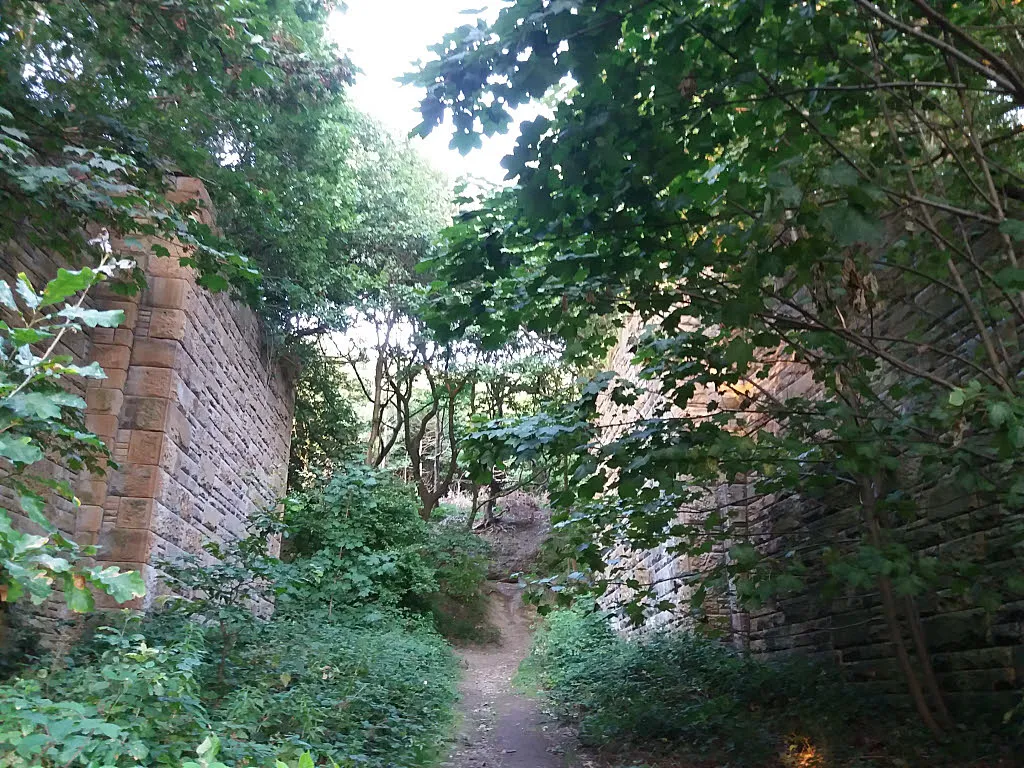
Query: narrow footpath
{"points": [[502, 728]]}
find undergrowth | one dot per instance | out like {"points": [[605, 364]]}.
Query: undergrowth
{"points": [[362, 689], [332, 656], [694, 699]]}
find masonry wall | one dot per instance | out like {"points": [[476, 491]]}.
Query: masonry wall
{"points": [[196, 408], [978, 655]]}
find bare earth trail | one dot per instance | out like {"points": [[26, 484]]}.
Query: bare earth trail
{"points": [[501, 728]]}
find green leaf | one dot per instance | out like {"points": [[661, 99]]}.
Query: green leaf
{"points": [[6, 296], [90, 371], [20, 450], [957, 398], [67, 283], [120, 585], [27, 292], [94, 317], [34, 505], [305, 760], [77, 594], [999, 413], [43, 405], [22, 336], [850, 226], [1012, 227], [208, 749]]}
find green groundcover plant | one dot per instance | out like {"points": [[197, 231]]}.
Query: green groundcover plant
{"points": [[281, 661], [684, 694]]}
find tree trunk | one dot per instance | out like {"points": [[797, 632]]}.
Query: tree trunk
{"points": [[868, 489]]}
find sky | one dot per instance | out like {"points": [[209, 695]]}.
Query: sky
{"points": [[383, 38]]}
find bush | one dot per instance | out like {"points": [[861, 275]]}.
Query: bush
{"points": [[365, 688], [125, 702], [349, 668], [684, 691], [459, 605], [363, 538]]}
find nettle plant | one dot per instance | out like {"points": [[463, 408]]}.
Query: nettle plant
{"points": [[40, 419]]}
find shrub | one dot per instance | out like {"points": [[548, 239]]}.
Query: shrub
{"points": [[368, 689], [684, 691], [459, 605], [125, 702], [365, 688], [364, 541], [362, 534]]}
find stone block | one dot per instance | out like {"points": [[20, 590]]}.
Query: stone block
{"points": [[178, 428], [145, 413], [104, 425], [157, 353], [104, 400], [111, 357], [124, 336], [168, 324], [92, 490], [115, 380], [126, 545], [88, 520], [130, 310], [170, 458], [142, 480], [135, 513], [186, 398], [170, 266], [145, 447], [167, 292], [146, 381]]}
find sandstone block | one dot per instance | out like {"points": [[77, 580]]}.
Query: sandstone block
{"points": [[127, 545], [103, 400], [128, 307], [92, 490], [167, 292], [168, 324], [170, 266], [170, 458], [178, 428], [141, 480], [88, 520], [156, 353], [145, 447], [134, 513], [146, 381], [111, 357], [115, 380], [145, 413], [104, 425]]}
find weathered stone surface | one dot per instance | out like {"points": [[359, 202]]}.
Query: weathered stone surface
{"points": [[195, 411], [978, 656]]}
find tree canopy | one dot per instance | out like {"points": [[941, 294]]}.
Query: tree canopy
{"points": [[830, 190]]}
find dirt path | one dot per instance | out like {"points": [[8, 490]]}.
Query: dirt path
{"points": [[500, 727]]}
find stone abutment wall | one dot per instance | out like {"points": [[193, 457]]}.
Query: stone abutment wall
{"points": [[196, 409], [978, 654]]}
